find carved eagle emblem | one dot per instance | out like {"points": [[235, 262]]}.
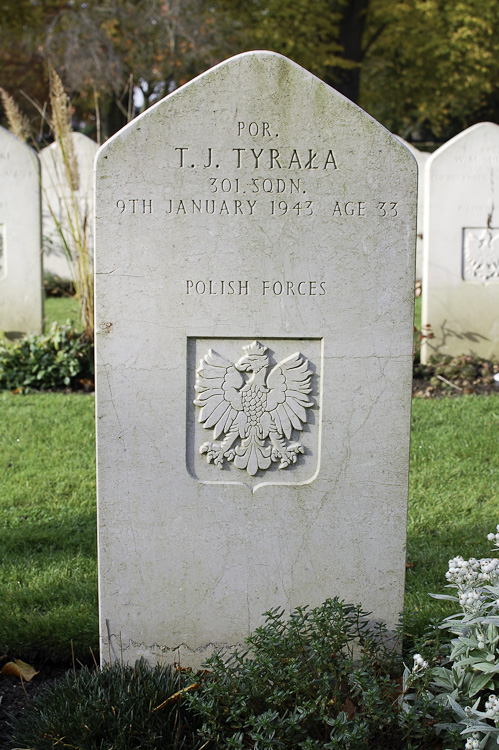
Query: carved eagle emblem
{"points": [[255, 415]]}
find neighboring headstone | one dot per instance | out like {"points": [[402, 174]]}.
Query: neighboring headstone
{"points": [[65, 201], [21, 292], [255, 237], [461, 254], [421, 158]]}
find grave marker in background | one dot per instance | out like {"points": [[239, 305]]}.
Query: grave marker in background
{"points": [[21, 294], [461, 252], [57, 197], [255, 237], [421, 158]]}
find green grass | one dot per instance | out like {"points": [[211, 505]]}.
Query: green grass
{"points": [[48, 581], [454, 492], [417, 313], [62, 309]]}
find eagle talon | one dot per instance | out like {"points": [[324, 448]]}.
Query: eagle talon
{"points": [[213, 453], [230, 454], [289, 455]]}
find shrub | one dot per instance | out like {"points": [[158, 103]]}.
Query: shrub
{"points": [[113, 708], [55, 286], [322, 680], [60, 359]]}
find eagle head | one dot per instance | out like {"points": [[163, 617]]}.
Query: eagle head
{"points": [[254, 359]]}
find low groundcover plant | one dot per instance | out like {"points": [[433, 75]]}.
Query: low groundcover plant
{"points": [[109, 709], [324, 679], [468, 682], [61, 358]]}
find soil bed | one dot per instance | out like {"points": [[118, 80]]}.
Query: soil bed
{"points": [[16, 696]]}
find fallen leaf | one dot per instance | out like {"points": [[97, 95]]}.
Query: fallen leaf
{"points": [[349, 708], [18, 668]]}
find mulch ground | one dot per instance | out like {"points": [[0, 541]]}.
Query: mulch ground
{"points": [[425, 389], [16, 695]]}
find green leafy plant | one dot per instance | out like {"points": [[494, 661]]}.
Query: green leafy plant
{"points": [[467, 681], [113, 708], [323, 679], [60, 359]]}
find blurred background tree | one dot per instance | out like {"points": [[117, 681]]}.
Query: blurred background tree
{"points": [[434, 70], [426, 69]]}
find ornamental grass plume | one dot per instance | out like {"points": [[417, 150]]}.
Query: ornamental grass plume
{"points": [[18, 122], [70, 217], [72, 223], [61, 127]]}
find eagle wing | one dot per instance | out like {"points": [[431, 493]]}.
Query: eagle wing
{"points": [[218, 386], [287, 400]]}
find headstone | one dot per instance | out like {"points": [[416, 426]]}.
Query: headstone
{"points": [[421, 159], [21, 292], [255, 237], [63, 201], [461, 256]]}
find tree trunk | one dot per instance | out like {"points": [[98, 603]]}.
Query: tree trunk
{"points": [[347, 80]]}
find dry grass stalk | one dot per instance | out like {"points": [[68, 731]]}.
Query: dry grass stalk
{"points": [[73, 223], [61, 125], [18, 122], [70, 217]]}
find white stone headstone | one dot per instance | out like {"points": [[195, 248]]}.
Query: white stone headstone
{"points": [[421, 158], [255, 237], [21, 291], [64, 202], [460, 298]]}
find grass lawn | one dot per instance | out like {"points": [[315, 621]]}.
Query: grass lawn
{"points": [[62, 309], [453, 493], [417, 313], [48, 581]]}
